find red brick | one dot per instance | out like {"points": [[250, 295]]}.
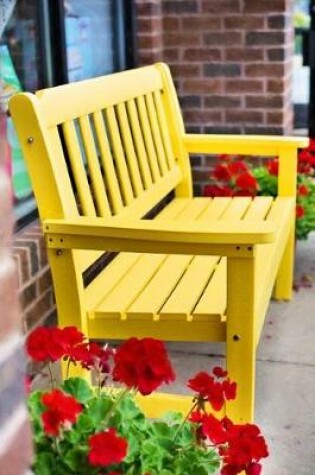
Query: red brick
{"points": [[222, 101], [244, 22], [264, 6], [203, 23], [264, 38], [147, 8], [186, 70], [182, 6], [202, 54], [275, 85], [171, 54], [203, 116], [277, 118], [149, 56], [149, 41], [244, 54], [45, 281], [246, 116], [227, 38], [264, 70], [148, 25], [264, 102], [39, 310], [170, 23], [181, 39], [244, 85], [221, 6], [202, 86]]}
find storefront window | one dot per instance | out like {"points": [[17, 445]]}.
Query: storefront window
{"points": [[91, 36]]}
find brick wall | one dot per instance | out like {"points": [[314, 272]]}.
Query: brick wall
{"points": [[15, 446], [231, 60]]}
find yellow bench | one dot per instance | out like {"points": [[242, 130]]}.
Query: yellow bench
{"points": [[102, 154]]}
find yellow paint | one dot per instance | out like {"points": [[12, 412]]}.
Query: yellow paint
{"points": [[201, 270]]}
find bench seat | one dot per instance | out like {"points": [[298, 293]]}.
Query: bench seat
{"points": [[143, 289]]}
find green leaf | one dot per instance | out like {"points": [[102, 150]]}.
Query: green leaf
{"points": [[78, 388], [76, 459], [45, 464], [98, 409], [35, 404]]}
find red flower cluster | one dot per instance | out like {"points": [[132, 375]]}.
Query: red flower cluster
{"points": [[212, 390], [61, 409], [237, 176], [299, 211], [273, 167], [107, 448], [142, 364], [241, 446], [52, 344]]}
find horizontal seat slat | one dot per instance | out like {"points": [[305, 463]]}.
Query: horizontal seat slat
{"points": [[258, 208], [189, 290]]}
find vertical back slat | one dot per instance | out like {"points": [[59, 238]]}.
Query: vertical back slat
{"points": [[129, 149], [122, 170], [94, 167], [148, 140], [139, 144], [107, 162], [78, 170], [164, 129], [156, 134]]}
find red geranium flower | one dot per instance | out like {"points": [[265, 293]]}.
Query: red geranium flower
{"points": [[300, 212], [142, 364], [246, 181], [237, 167], [273, 167], [215, 392], [219, 372], [45, 344], [303, 190], [107, 448], [221, 173], [61, 408], [215, 190]]}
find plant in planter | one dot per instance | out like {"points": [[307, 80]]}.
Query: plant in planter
{"points": [[234, 176], [92, 431]]}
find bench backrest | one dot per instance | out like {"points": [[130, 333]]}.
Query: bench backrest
{"points": [[109, 146]]}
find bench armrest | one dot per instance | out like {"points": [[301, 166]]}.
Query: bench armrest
{"points": [[153, 236], [285, 148], [262, 145]]}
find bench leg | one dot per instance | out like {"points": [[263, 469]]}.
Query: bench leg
{"points": [[241, 340], [68, 297], [284, 282]]}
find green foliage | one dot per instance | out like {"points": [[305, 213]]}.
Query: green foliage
{"points": [[163, 447]]}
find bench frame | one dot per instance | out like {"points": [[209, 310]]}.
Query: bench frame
{"points": [[37, 119]]}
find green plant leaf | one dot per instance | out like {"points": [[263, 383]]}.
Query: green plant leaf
{"points": [[97, 410], [45, 463], [79, 389]]}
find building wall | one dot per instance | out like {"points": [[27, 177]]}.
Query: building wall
{"points": [[15, 447], [231, 61]]}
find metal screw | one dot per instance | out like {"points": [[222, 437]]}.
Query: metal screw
{"points": [[30, 140], [236, 337], [59, 252]]}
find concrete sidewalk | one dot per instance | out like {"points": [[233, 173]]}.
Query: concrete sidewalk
{"points": [[285, 404]]}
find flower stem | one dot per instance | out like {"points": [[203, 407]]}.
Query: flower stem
{"points": [[52, 385], [193, 407], [68, 368], [115, 405]]}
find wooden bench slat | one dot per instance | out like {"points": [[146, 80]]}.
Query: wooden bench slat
{"points": [[184, 298], [259, 208], [129, 149], [164, 129], [158, 290], [148, 139], [156, 134], [107, 163], [194, 208], [78, 170], [215, 209], [97, 182], [118, 301], [214, 296], [172, 209], [139, 143], [122, 171], [236, 209]]}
